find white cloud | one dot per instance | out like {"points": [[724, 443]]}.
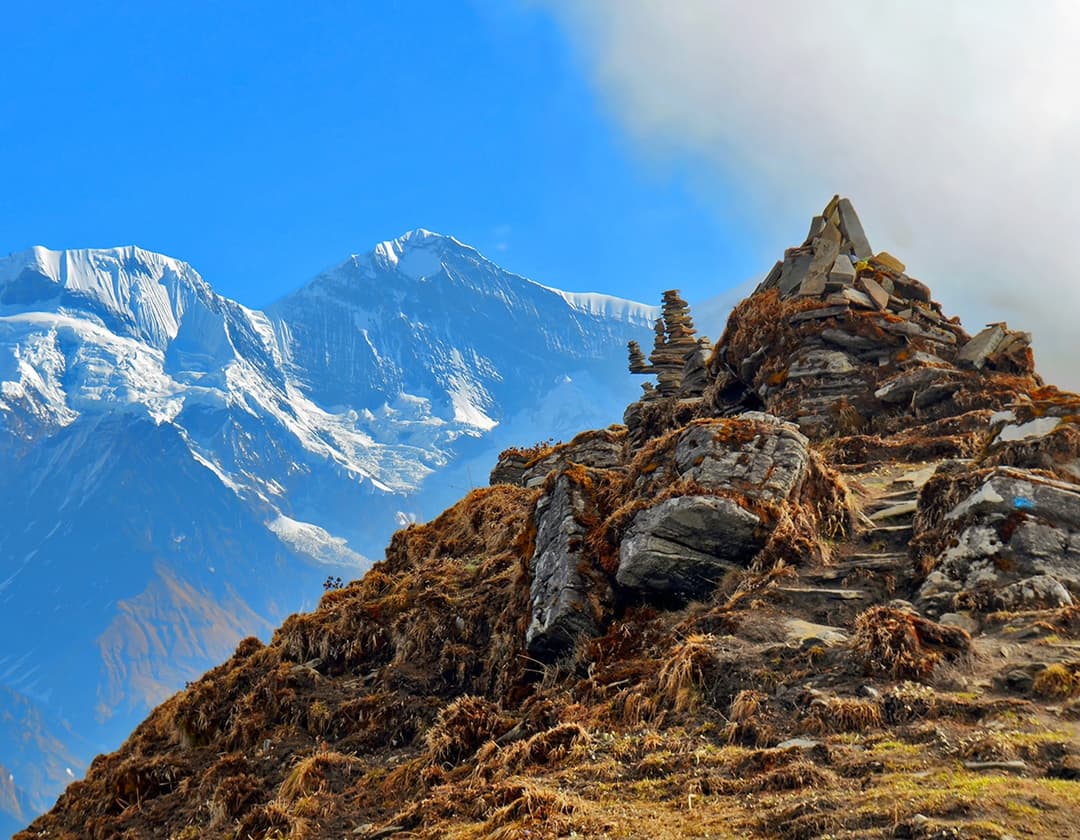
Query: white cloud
{"points": [[954, 127]]}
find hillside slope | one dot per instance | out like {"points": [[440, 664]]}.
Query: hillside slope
{"points": [[820, 584]]}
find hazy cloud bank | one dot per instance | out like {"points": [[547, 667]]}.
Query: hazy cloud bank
{"points": [[954, 127]]}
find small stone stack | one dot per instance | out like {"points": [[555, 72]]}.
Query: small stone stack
{"points": [[673, 346], [638, 363]]}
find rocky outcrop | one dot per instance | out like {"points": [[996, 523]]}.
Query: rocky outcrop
{"points": [[1011, 542], [754, 454], [558, 595], [682, 546], [600, 448], [842, 340]]}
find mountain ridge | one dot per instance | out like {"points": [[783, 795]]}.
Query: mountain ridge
{"points": [[131, 393]]}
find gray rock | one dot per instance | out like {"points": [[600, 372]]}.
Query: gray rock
{"points": [[797, 743], [914, 330], [771, 464], [590, 449], [826, 250], [963, 620], [695, 377], [910, 288], [509, 470], [798, 631], [812, 314], [1037, 592], [820, 363], [813, 285], [877, 294], [981, 347], [772, 279], [817, 225], [1018, 536], [852, 296], [847, 340], [853, 232], [560, 611], [795, 269], [904, 388], [752, 363], [683, 546]]}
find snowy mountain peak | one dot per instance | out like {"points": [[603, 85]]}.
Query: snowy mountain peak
{"points": [[128, 290], [416, 254]]}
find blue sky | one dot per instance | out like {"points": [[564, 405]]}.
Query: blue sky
{"points": [[265, 141]]}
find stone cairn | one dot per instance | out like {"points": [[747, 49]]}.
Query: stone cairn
{"points": [[836, 263], [674, 348]]}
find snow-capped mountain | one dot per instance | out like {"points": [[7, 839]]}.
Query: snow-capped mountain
{"points": [[178, 471]]}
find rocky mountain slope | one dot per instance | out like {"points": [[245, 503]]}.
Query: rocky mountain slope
{"points": [[180, 472], [820, 583]]}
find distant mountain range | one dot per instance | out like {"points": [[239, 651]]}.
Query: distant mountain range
{"points": [[180, 471]]}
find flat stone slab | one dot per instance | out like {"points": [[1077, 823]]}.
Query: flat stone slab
{"points": [[877, 294], [902, 509], [852, 296], [797, 744], [842, 271], [848, 341], [823, 592], [811, 314], [799, 631]]}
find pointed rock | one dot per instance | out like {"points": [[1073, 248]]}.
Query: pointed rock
{"points": [[853, 232], [817, 225]]}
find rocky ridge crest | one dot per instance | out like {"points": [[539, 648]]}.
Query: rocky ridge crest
{"points": [[820, 583]]}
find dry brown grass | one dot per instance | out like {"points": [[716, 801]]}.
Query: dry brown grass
{"points": [[462, 727], [843, 714], [319, 772], [905, 645]]}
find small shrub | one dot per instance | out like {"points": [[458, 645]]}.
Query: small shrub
{"points": [[1056, 682]]}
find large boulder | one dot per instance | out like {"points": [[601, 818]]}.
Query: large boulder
{"points": [[682, 546], [734, 471], [1011, 542], [754, 454]]}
